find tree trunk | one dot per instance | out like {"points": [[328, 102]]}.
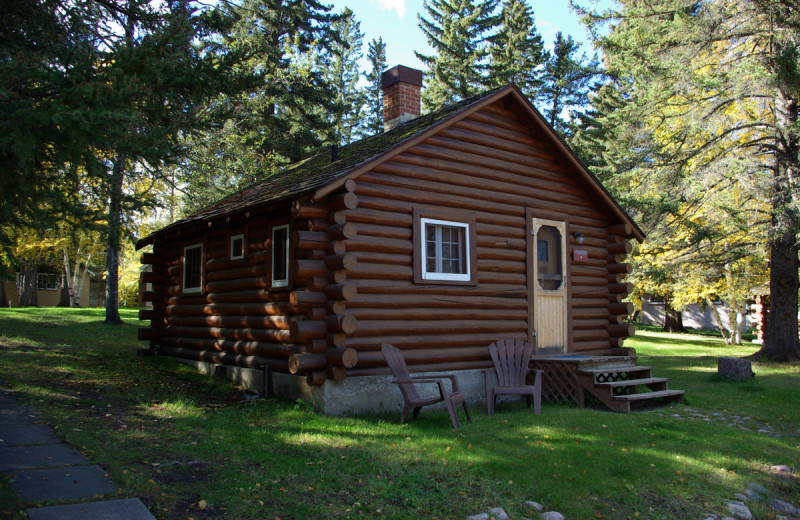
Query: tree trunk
{"points": [[673, 320], [114, 232], [721, 326], [781, 341], [3, 297], [65, 298], [28, 294]]}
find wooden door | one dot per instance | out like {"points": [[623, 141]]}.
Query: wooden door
{"points": [[549, 259]]}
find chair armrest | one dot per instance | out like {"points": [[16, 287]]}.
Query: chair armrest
{"points": [[538, 373], [425, 379]]}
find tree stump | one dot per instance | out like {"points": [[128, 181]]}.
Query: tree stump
{"points": [[735, 368]]}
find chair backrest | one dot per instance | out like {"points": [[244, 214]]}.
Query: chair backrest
{"points": [[397, 364], [510, 358]]}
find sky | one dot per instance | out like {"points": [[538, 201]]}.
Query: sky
{"points": [[396, 22]]}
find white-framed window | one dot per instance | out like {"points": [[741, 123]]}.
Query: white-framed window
{"points": [[237, 247], [445, 250], [44, 281], [193, 268], [280, 256]]}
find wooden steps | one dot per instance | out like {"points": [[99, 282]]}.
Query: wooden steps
{"points": [[624, 386]]}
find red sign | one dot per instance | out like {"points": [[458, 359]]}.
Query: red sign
{"points": [[580, 255]]}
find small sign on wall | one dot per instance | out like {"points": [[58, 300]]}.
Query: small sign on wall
{"points": [[580, 255]]}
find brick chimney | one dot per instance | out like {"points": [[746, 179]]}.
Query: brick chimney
{"points": [[401, 95]]}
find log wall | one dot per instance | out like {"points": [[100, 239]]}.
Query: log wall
{"points": [[352, 272]]}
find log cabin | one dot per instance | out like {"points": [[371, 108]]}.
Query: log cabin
{"points": [[444, 233]]}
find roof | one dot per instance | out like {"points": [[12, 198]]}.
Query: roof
{"points": [[320, 175]]}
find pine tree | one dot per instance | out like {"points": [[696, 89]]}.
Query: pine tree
{"points": [[715, 86], [456, 30], [343, 75], [376, 55], [517, 50], [282, 113], [567, 79]]}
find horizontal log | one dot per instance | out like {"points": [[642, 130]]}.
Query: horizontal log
{"points": [[616, 318], [420, 368], [381, 245], [579, 336], [624, 330], [418, 313], [368, 328], [530, 145], [307, 298], [336, 307], [620, 248], [152, 296], [304, 269], [247, 322], [317, 283], [620, 288], [385, 231], [150, 334], [342, 357], [224, 358], [151, 314], [342, 231], [249, 348], [345, 292], [621, 230], [240, 284], [613, 298], [305, 362], [379, 294], [152, 277], [309, 239], [367, 270], [579, 282], [616, 278], [250, 271], [337, 339], [337, 247], [623, 308], [453, 341], [344, 201], [589, 324], [249, 295], [590, 313], [234, 309], [345, 324], [317, 345], [415, 356], [501, 266], [151, 258], [500, 250], [624, 268], [398, 218], [305, 209], [224, 263], [345, 262], [304, 330], [594, 346], [616, 341], [238, 334]]}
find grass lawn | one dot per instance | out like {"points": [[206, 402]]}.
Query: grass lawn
{"points": [[190, 446]]}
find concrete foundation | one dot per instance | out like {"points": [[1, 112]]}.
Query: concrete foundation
{"points": [[352, 396]]}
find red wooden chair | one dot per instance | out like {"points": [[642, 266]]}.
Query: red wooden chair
{"points": [[407, 383], [510, 358]]}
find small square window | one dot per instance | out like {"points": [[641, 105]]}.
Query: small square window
{"points": [[193, 268], [445, 250], [237, 247], [280, 256]]}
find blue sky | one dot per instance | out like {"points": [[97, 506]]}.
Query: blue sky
{"points": [[396, 22]]}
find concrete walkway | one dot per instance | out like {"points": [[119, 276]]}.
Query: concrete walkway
{"points": [[43, 469]]}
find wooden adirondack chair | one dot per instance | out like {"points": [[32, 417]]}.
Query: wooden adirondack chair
{"points": [[407, 383], [510, 358]]}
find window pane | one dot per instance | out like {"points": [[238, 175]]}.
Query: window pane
{"points": [[193, 267], [280, 256], [549, 262], [237, 247]]}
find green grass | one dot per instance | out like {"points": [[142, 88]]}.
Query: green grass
{"points": [[190, 446]]}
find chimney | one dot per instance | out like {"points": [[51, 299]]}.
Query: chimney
{"points": [[401, 95]]}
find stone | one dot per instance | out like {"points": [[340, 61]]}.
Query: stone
{"points": [[782, 507], [735, 368], [782, 470], [552, 515], [499, 513], [536, 506], [129, 509], [739, 510], [758, 488], [482, 516]]}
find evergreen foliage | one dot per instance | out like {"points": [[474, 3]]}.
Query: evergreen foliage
{"points": [[456, 30], [376, 55], [343, 75], [517, 49]]}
